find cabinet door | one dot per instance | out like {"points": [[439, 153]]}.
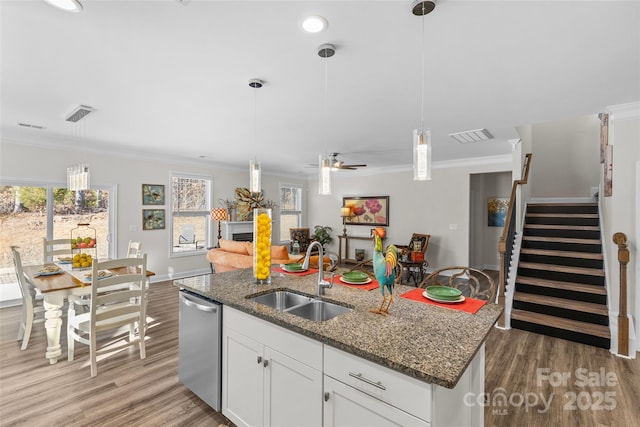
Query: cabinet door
{"points": [[292, 391], [346, 406], [242, 379]]}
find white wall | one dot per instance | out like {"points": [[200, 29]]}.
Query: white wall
{"points": [[128, 174], [565, 155], [430, 207]]}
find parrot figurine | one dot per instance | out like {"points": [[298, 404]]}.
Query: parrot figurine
{"points": [[384, 269]]}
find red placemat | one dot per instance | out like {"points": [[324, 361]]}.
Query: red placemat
{"points": [[301, 273], [369, 286], [469, 305]]}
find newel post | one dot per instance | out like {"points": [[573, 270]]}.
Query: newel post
{"points": [[620, 239]]}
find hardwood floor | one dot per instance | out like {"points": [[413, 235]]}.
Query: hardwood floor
{"points": [[130, 391]]}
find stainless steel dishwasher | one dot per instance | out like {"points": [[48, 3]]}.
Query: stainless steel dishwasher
{"points": [[200, 347]]}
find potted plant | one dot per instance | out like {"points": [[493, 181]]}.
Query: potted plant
{"points": [[321, 234]]}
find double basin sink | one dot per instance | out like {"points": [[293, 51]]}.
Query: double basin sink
{"points": [[301, 305]]}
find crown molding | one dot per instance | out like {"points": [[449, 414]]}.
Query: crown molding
{"points": [[624, 111]]}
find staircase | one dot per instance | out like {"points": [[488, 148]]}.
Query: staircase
{"points": [[560, 285]]}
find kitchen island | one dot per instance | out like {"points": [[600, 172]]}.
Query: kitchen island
{"points": [[431, 348]]}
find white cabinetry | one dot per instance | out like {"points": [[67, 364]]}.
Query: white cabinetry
{"points": [[261, 385], [361, 393]]}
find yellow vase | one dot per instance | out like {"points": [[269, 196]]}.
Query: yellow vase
{"points": [[262, 245]]}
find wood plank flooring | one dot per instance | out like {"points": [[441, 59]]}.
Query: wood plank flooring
{"points": [[134, 392]]}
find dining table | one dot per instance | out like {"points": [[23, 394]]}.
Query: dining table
{"points": [[55, 289]]}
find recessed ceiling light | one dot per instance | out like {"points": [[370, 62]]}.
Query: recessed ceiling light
{"points": [[66, 5], [314, 24]]}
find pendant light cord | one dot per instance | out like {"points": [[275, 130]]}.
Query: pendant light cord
{"points": [[326, 103], [422, 75], [255, 122]]}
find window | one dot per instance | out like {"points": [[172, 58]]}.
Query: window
{"points": [[190, 206], [30, 211], [290, 209]]}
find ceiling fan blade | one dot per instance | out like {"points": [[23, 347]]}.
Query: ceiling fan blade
{"points": [[354, 166]]}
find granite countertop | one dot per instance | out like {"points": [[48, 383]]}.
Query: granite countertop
{"points": [[430, 343]]}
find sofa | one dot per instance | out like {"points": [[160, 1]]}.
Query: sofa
{"points": [[232, 255]]}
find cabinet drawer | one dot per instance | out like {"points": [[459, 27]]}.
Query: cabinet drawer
{"points": [[294, 345], [394, 388]]}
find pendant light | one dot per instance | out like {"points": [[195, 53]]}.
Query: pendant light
{"points": [[255, 184], [78, 178], [422, 136], [324, 164]]}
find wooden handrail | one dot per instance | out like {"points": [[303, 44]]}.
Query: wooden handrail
{"points": [[620, 239], [505, 245]]}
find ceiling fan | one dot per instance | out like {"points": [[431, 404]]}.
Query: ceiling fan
{"points": [[339, 164]]}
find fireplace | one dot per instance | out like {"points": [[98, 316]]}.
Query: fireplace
{"points": [[237, 230], [242, 237]]}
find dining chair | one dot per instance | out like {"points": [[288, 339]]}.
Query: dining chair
{"points": [[55, 247], [472, 282], [134, 250], [32, 301], [114, 304]]}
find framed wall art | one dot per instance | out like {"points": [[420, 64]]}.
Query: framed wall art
{"points": [[497, 208], [370, 210], [152, 194], [153, 219]]}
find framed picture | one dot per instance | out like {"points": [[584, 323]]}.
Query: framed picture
{"points": [[153, 219], [367, 210], [497, 208], [152, 194]]}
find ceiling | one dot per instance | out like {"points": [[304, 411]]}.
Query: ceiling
{"points": [[171, 80]]}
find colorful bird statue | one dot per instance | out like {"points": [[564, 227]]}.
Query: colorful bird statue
{"points": [[384, 268]]}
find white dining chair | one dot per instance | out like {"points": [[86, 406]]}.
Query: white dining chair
{"points": [[55, 247], [32, 302], [119, 306], [134, 250]]}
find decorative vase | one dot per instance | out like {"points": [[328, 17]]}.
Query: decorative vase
{"points": [[262, 246]]}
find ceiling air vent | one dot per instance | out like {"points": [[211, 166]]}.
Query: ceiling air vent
{"points": [[476, 135], [30, 125], [78, 113]]}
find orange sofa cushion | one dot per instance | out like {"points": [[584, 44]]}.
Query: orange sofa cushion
{"points": [[242, 248]]}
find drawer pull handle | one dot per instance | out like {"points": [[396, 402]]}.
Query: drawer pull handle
{"points": [[359, 376]]}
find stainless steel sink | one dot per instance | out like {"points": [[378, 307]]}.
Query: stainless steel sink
{"points": [[301, 305], [281, 300], [319, 311]]}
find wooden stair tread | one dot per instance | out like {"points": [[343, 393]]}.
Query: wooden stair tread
{"points": [[590, 204], [562, 215], [586, 307], [565, 254], [561, 323], [562, 268], [562, 240], [556, 284], [563, 227]]}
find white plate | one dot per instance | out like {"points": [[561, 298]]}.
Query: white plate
{"points": [[443, 301], [48, 273], [102, 274], [342, 279], [302, 270]]}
